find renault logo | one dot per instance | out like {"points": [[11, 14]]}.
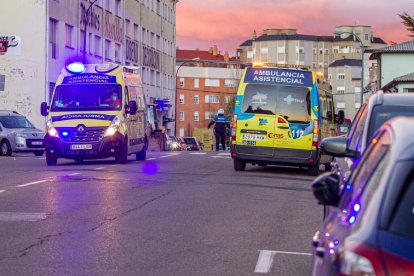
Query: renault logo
{"points": [[80, 129]]}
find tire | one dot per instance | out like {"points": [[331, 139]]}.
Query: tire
{"points": [[314, 170], [142, 155], [51, 160], [39, 152], [5, 148], [239, 165], [122, 156]]}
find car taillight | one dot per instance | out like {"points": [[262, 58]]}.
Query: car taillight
{"points": [[315, 140], [360, 259], [234, 128]]}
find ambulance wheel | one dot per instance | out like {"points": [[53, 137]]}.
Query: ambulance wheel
{"points": [[239, 165], [122, 156], [51, 160], [5, 148], [142, 155], [314, 170]]}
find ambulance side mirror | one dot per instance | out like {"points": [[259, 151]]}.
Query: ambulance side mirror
{"points": [[132, 107], [44, 109]]}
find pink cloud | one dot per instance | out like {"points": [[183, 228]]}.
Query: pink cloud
{"points": [[201, 24]]}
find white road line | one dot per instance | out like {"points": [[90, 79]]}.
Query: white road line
{"points": [[198, 153], [10, 216], [151, 158], [32, 183], [218, 156], [223, 153], [100, 168], [164, 156], [72, 174], [265, 260], [2, 191]]}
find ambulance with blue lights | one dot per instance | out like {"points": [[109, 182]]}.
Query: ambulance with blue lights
{"points": [[280, 116], [96, 111]]}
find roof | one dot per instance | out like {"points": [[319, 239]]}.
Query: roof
{"points": [[408, 78], [308, 38], [346, 62], [203, 55], [405, 47]]}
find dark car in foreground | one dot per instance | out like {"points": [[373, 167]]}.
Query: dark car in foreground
{"points": [[18, 134], [379, 108], [370, 226]]}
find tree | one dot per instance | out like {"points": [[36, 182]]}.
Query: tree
{"points": [[408, 21]]}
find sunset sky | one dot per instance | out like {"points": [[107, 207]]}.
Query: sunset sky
{"points": [[228, 23]]}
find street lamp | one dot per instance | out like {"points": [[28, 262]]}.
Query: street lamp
{"points": [[362, 60], [84, 34], [176, 89]]}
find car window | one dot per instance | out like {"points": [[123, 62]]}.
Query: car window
{"points": [[15, 122], [368, 165], [357, 130], [402, 221], [380, 114]]}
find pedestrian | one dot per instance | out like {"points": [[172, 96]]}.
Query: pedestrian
{"points": [[221, 124]]}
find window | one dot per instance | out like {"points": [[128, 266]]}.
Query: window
{"points": [[53, 37], [281, 50], [326, 51], [118, 7], [90, 43], [127, 24], [264, 50], [229, 83], [357, 129], [181, 99], [81, 40], [196, 99], [69, 36], [227, 99], [196, 116], [340, 76], [181, 132], [196, 83], [209, 115], [340, 90], [98, 45], [212, 82], [181, 115], [181, 82], [117, 52], [212, 99], [107, 49]]}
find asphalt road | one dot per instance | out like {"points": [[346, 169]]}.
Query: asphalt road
{"points": [[178, 213]]}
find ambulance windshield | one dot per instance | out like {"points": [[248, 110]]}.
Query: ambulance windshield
{"points": [[85, 97]]}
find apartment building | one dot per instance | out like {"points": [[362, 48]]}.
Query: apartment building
{"points": [[206, 81], [52, 33]]}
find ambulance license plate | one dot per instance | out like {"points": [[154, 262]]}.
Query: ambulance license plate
{"points": [[81, 146]]}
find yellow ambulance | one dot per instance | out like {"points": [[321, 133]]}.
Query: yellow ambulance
{"points": [[96, 111], [280, 116]]}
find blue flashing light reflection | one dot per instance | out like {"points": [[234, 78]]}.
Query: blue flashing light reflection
{"points": [[150, 168], [357, 207], [348, 186], [336, 242], [352, 219], [65, 133], [76, 67]]}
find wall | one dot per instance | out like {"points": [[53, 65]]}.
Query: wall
{"points": [[394, 66], [25, 72]]}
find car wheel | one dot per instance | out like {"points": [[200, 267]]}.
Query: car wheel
{"points": [[239, 165], [51, 160], [122, 156], [5, 148], [314, 170], [39, 152]]}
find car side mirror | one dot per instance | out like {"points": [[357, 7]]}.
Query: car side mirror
{"points": [[325, 188], [338, 147], [132, 107], [44, 109]]}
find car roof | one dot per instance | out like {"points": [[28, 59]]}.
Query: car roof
{"points": [[381, 98], [402, 129]]}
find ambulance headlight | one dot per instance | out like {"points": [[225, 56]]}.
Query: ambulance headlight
{"points": [[51, 130], [113, 127]]}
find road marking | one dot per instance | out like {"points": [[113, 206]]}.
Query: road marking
{"points": [[72, 174], [151, 158], [2, 191], [265, 260], [223, 153], [164, 156], [9, 216], [32, 183], [198, 153], [100, 168], [218, 156]]}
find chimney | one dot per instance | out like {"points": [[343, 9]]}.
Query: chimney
{"points": [[254, 35], [215, 50], [226, 56]]}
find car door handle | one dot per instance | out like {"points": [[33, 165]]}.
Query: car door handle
{"points": [[283, 127]]}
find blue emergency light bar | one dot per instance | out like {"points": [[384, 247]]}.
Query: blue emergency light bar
{"points": [[76, 67]]}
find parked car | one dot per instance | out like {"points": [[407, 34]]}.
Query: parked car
{"points": [[379, 108], [342, 129], [192, 143], [370, 227], [18, 134]]}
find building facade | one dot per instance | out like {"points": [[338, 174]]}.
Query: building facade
{"points": [[206, 82], [128, 32]]}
